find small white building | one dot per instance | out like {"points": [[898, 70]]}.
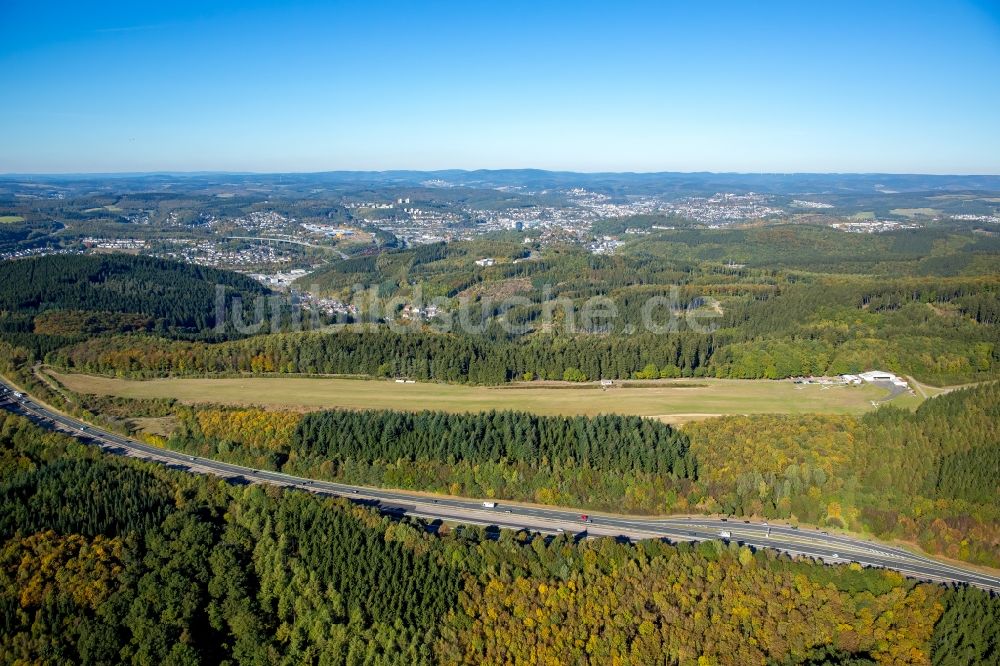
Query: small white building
{"points": [[487, 261], [882, 376]]}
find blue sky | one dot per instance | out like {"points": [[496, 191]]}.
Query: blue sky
{"points": [[624, 86]]}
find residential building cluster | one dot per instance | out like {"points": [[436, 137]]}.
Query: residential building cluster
{"points": [[138, 218], [115, 243], [990, 219], [604, 245], [377, 205], [260, 220], [724, 208], [331, 307], [207, 253], [799, 203], [873, 226], [412, 312], [571, 222], [600, 206], [36, 252]]}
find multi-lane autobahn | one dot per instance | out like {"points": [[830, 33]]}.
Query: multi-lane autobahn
{"points": [[830, 548]]}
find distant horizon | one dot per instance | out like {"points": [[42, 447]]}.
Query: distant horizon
{"points": [[229, 172]]}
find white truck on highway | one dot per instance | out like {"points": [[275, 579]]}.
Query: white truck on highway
{"points": [[489, 505], [725, 534]]}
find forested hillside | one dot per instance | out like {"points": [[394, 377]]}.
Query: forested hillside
{"points": [[73, 295], [932, 477], [787, 300], [944, 329], [212, 573], [773, 302], [943, 333]]}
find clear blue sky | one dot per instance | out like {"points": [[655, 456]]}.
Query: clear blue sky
{"points": [[721, 86]]}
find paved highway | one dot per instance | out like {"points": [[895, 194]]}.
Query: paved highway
{"points": [[830, 548]]}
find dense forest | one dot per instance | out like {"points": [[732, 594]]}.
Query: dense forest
{"points": [[608, 461], [214, 573], [383, 353], [616, 443], [73, 295], [930, 476]]}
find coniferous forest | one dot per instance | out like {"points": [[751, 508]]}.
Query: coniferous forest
{"points": [[106, 560]]}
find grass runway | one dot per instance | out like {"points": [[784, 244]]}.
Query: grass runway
{"points": [[672, 401]]}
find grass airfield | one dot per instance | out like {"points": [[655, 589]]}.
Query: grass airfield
{"points": [[673, 401]]}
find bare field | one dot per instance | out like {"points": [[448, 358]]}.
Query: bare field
{"points": [[914, 212], [669, 400], [162, 426]]}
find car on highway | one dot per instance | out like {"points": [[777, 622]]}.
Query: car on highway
{"points": [[584, 517]]}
